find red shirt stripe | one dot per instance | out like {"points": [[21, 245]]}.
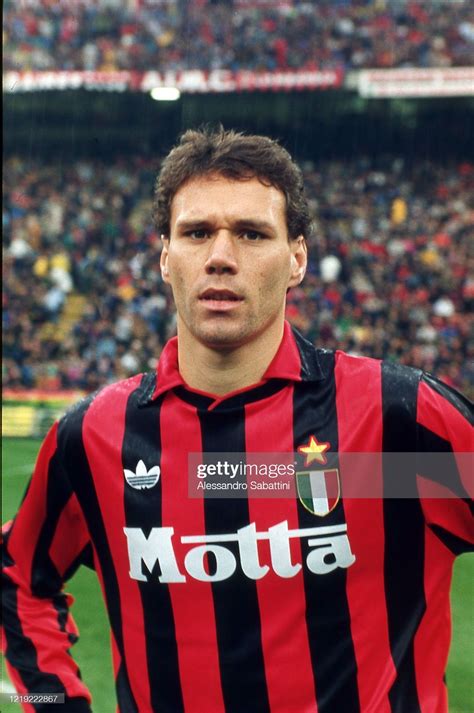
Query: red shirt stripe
{"points": [[434, 633], [39, 621], [282, 604], [26, 529], [103, 438], [70, 521], [359, 418], [439, 416], [192, 602]]}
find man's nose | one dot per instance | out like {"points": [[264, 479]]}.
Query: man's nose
{"points": [[222, 255]]}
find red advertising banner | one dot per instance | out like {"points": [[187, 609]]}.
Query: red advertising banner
{"points": [[187, 81]]}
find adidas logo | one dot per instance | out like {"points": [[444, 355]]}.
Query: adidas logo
{"points": [[142, 479]]}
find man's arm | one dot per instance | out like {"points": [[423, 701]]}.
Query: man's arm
{"points": [[42, 548], [444, 427]]}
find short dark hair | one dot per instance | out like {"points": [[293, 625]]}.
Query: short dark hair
{"points": [[237, 156]]}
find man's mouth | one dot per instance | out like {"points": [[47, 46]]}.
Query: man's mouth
{"points": [[220, 295], [220, 300]]}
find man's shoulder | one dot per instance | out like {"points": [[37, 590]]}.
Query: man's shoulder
{"points": [[319, 364], [108, 399], [359, 365], [112, 395], [342, 366], [400, 385]]}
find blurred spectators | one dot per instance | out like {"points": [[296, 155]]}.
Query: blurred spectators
{"points": [[390, 272], [145, 35]]}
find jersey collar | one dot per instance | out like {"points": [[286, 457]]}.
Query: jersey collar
{"points": [[296, 360]]}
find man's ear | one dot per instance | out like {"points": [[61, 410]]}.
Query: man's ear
{"points": [[164, 258], [299, 260]]}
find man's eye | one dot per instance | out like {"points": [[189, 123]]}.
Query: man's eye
{"points": [[196, 234], [252, 235]]}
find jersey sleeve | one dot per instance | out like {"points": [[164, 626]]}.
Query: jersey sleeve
{"points": [[42, 547], [445, 449]]}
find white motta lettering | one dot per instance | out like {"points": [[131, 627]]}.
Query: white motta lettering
{"points": [[336, 549], [248, 550], [280, 551], [157, 547], [225, 563], [331, 550]]}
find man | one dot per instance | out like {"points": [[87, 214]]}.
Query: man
{"points": [[298, 604]]}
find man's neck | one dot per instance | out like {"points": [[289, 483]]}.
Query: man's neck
{"points": [[218, 371]]}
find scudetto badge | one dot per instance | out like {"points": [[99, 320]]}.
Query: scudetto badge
{"points": [[319, 491]]}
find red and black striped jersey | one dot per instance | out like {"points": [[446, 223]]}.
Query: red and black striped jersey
{"points": [[228, 605]]}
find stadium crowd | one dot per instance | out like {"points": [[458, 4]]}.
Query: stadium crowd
{"points": [[164, 35], [390, 271]]}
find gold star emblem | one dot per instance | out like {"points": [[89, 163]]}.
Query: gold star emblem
{"points": [[314, 451]]}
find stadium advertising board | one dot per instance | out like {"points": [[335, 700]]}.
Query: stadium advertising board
{"points": [[187, 81], [416, 82], [31, 413]]}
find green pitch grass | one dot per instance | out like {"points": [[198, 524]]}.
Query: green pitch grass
{"points": [[92, 652]]}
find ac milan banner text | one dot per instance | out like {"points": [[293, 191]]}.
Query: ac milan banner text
{"points": [[187, 81]]}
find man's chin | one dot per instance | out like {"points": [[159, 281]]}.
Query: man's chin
{"points": [[223, 337]]}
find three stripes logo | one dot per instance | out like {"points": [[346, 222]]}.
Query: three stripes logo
{"points": [[142, 479]]}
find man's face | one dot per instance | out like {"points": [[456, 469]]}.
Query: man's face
{"points": [[229, 260]]}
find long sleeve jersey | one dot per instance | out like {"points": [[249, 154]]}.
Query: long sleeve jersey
{"points": [[248, 604]]}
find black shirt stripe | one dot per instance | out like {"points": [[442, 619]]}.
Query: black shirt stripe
{"points": [[142, 441], [404, 533], [329, 632], [235, 599], [445, 471], [456, 399], [45, 579], [72, 451]]}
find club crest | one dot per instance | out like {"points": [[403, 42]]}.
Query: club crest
{"points": [[319, 490]]}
